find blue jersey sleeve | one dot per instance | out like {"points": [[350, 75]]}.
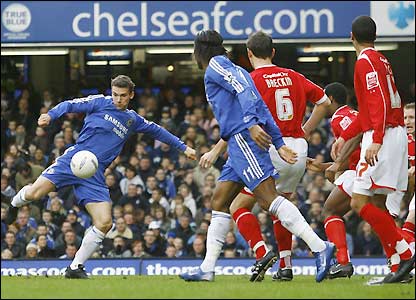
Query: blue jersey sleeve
{"points": [[272, 129], [233, 80], [158, 133], [79, 105]]}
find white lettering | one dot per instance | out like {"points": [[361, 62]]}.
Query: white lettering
{"points": [[178, 18], [97, 19], [143, 19], [75, 25], [158, 23], [217, 14], [316, 18], [293, 21], [227, 22], [123, 22], [257, 21], [203, 22]]}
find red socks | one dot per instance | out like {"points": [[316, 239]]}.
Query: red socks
{"points": [[250, 229], [335, 231], [385, 227], [284, 242]]}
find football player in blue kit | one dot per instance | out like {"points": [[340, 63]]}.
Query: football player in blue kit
{"points": [[248, 126], [107, 125]]}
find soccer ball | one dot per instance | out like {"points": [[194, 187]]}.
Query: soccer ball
{"points": [[84, 164]]}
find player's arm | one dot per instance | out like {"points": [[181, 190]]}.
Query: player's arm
{"points": [[317, 95], [341, 162], [78, 105], [233, 80], [161, 134], [209, 158], [353, 130]]}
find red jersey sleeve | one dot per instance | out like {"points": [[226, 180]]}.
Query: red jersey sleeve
{"points": [[352, 130], [314, 92], [370, 92]]}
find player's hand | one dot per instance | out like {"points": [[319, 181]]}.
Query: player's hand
{"points": [[331, 171], [312, 165], [336, 148], [262, 139], [411, 171], [371, 154], [44, 120], [190, 153], [208, 159], [287, 154]]}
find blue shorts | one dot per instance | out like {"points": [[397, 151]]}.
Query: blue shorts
{"points": [[87, 190], [247, 163]]}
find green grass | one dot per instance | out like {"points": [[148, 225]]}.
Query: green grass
{"points": [[171, 287]]}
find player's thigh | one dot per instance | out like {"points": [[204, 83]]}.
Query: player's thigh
{"points": [[100, 213], [242, 201], [265, 193], [40, 188], [224, 194], [337, 203]]}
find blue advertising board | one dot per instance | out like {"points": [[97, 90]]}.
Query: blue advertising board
{"points": [[156, 21], [151, 267]]}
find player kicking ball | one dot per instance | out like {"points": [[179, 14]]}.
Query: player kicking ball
{"points": [[107, 126]]}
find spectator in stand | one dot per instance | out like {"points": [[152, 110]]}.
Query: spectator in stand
{"points": [[190, 182], [131, 223], [151, 246], [6, 254], [69, 237], [316, 145], [43, 230], [200, 175], [161, 217], [120, 248], [189, 200], [70, 251], [131, 178], [57, 210], [72, 218], [366, 241], [145, 167], [27, 173], [7, 191], [158, 198], [183, 229], [198, 248], [10, 243], [160, 239], [121, 229], [165, 183], [51, 228], [66, 226], [132, 196], [114, 188], [138, 249], [43, 249], [151, 184], [26, 231], [31, 251], [41, 139]]}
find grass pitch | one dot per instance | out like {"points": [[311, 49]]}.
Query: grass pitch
{"points": [[171, 287]]}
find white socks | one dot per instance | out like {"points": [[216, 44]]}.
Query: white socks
{"points": [[293, 220], [217, 230], [19, 199], [90, 243]]}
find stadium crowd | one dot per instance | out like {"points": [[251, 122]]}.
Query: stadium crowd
{"points": [[161, 201]]}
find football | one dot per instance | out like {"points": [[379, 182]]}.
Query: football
{"points": [[84, 164]]}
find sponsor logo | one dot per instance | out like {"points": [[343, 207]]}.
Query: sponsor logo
{"points": [[16, 18], [400, 14], [372, 80]]}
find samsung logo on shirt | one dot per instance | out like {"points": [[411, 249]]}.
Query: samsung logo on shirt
{"points": [[116, 122]]}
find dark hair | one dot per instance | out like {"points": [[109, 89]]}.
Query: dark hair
{"points": [[364, 29], [338, 91], [123, 81], [207, 44], [261, 44]]}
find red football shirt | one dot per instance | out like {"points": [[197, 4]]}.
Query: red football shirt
{"points": [[285, 93], [378, 100], [411, 149], [340, 121]]}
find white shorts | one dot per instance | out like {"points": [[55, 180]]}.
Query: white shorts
{"points": [[345, 182], [393, 202], [390, 172], [290, 175]]}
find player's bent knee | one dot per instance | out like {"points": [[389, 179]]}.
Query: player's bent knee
{"points": [[104, 225]]}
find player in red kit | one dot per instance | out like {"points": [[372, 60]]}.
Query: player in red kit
{"points": [[383, 160], [285, 93]]}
